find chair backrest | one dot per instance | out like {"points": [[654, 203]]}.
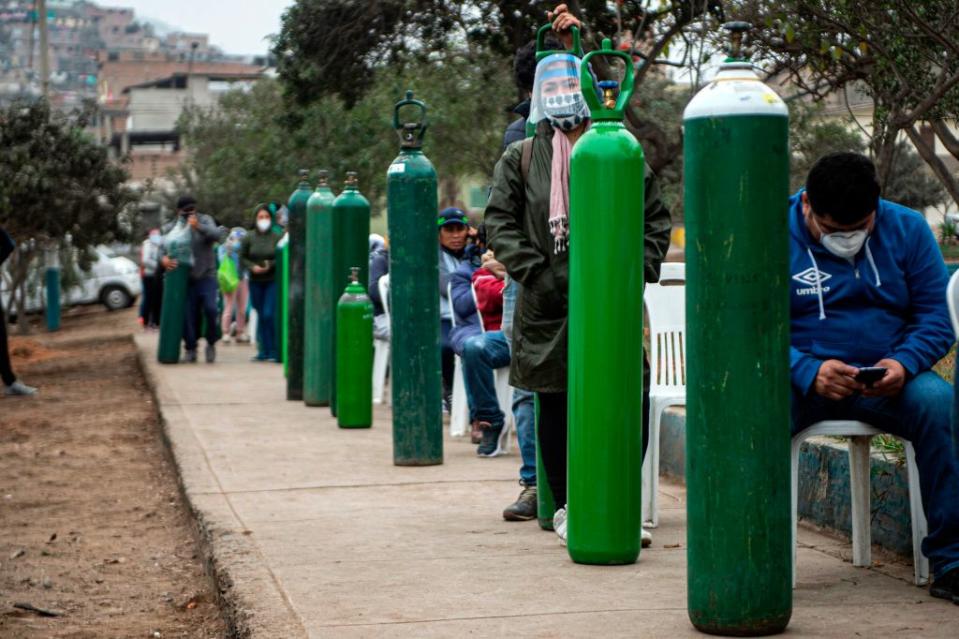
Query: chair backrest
{"points": [[383, 285], [666, 307], [476, 306], [952, 301], [449, 296]]}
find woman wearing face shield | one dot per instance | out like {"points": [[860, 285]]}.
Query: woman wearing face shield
{"points": [[527, 219]]}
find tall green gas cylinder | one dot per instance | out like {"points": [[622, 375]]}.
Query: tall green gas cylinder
{"points": [[319, 296], [605, 329], [351, 247], [283, 301], [296, 255], [176, 246], [736, 170], [354, 356], [416, 378]]}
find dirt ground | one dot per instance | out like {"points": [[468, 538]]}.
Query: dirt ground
{"points": [[92, 525]]}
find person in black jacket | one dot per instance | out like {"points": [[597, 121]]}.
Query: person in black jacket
{"points": [[379, 266], [11, 385]]}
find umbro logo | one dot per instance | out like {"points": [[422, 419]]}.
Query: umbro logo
{"points": [[808, 277]]}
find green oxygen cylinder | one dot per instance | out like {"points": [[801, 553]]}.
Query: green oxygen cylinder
{"points": [[296, 257], [354, 356], [176, 246], [51, 278], [319, 295], [416, 381], [736, 168], [605, 328], [351, 247], [282, 292]]}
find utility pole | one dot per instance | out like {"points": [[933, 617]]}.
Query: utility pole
{"points": [[44, 53]]}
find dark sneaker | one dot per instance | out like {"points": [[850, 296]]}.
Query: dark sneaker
{"points": [[524, 508], [448, 404], [489, 447], [190, 357], [210, 353], [947, 586], [476, 432]]}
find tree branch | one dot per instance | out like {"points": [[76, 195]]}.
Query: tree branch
{"points": [[950, 141], [938, 167]]}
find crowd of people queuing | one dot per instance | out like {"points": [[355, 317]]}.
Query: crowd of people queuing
{"points": [[857, 261]]}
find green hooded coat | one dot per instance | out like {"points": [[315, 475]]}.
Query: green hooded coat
{"points": [[517, 224]]}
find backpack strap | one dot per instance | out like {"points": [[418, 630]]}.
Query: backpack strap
{"points": [[526, 158]]}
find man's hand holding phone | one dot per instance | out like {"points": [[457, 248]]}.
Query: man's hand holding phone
{"points": [[891, 383], [837, 380]]}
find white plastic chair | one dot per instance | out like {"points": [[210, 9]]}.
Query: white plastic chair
{"points": [[952, 301], [459, 408], [381, 348], [860, 435], [666, 307]]}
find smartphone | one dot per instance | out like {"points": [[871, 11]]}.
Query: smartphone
{"points": [[870, 375]]}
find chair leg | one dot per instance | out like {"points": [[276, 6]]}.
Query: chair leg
{"points": [[381, 358], [920, 527], [460, 410], [651, 471], [794, 463], [859, 458], [504, 396]]}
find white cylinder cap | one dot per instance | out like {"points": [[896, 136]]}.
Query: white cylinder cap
{"points": [[736, 90]]}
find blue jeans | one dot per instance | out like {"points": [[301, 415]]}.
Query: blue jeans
{"points": [[201, 295], [922, 414], [524, 411], [482, 354], [263, 298]]}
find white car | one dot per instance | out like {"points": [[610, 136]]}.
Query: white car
{"points": [[112, 280]]}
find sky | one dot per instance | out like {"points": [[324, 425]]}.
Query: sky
{"points": [[238, 27]]}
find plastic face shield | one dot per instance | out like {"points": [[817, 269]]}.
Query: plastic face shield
{"points": [[556, 88]]}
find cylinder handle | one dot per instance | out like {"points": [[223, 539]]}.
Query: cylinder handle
{"points": [[541, 53], [411, 133], [615, 95]]}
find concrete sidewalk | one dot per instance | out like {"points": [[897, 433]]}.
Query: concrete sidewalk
{"points": [[314, 533]]}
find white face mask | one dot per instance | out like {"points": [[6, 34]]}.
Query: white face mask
{"points": [[156, 240], [844, 244], [263, 225]]}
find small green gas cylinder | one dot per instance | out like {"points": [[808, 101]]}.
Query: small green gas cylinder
{"points": [[176, 246], [605, 328], [354, 356]]}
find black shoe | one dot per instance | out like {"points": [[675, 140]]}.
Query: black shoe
{"points": [[524, 508], [448, 404], [190, 357], [947, 586], [210, 353], [489, 447]]}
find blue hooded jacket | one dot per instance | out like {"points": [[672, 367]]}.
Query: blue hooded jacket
{"points": [[463, 304], [890, 302]]}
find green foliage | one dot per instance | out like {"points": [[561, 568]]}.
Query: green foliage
{"points": [[902, 52], [811, 137], [248, 150], [57, 183], [910, 184]]}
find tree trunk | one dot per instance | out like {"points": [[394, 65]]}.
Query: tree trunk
{"points": [[884, 150], [938, 167], [946, 137]]}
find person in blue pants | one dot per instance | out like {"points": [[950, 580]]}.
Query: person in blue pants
{"points": [[868, 289], [258, 256]]}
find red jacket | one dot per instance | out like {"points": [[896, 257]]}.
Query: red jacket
{"points": [[489, 298]]}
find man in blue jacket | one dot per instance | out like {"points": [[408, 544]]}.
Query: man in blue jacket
{"points": [[868, 289]]}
